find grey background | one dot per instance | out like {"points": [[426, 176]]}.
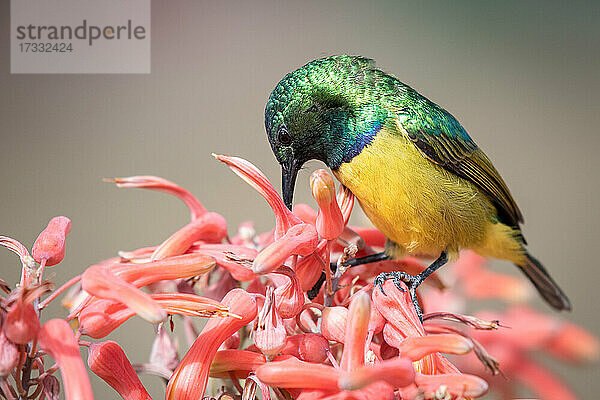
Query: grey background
{"points": [[522, 77]]}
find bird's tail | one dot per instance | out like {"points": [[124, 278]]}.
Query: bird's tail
{"points": [[545, 285]]}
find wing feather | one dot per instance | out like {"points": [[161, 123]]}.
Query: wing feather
{"points": [[441, 139]]}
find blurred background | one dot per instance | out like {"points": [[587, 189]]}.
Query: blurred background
{"points": [[522, 77]]}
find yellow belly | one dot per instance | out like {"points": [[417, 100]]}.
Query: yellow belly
{"points": [[417, 204]]}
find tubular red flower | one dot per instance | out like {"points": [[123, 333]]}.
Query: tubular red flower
{"points": [[49, 247], [416, 347], [462, 385], [305, 213], [397, 372], [210, 227], [99, 281], [104, 316], [301, 239], [574, 344], [109, 362], [397, 308], [56, 338], [284, 218], [239, 362], [178, 267], [329, 222], [190, 378], [308, 269], [162, 185], [293, 373], [357, 325], [237, 260], [542, 382]]}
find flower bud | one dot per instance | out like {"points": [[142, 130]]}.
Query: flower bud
{"points": [[330, 222], [50, 244], [309, 347]]}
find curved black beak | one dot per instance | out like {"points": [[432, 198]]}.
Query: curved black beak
{"points": [[289, 171]]}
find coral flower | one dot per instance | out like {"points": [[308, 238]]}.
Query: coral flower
{"points": [[284, 218], [301, 239], [210, 227], [99, 281], [102, 317], [109, 362], [162, 185], [190, 377], [49, 247], [56, 338], [329, 221]]}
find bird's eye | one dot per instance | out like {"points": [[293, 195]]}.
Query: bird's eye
{"points": [[283, 136]]}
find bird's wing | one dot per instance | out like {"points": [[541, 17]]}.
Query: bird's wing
{"points": [[441, 139]]}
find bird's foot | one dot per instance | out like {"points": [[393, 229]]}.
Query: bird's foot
{"points": [[412, 282]]}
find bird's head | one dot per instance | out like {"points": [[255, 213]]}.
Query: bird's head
{"points": [[317, 112]]}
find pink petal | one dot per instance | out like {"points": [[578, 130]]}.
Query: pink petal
{"points": [[99, 281], [574, 344], [162, 185], [329, 222], [240, 361], [270, 333], [177, 267], [415, 347], [397, 308], [456, 384], [293, 373], [101, 317], [333, 323], [109, 362], [397, 372], [9, 355], [289, 296], [210, 227], [545, 384], [284, 218], [21, 322], [237, 260], [345, 198], [56, 338], [357, 325], [190, 378], [301, 239]]}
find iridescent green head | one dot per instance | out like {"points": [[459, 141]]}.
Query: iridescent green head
{"points": [[327, 110]]}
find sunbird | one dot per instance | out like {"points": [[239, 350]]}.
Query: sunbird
{"points": [[415, 171]]}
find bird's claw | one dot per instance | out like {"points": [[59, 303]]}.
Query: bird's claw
{"points": [[412, 282], [397, 277]]}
